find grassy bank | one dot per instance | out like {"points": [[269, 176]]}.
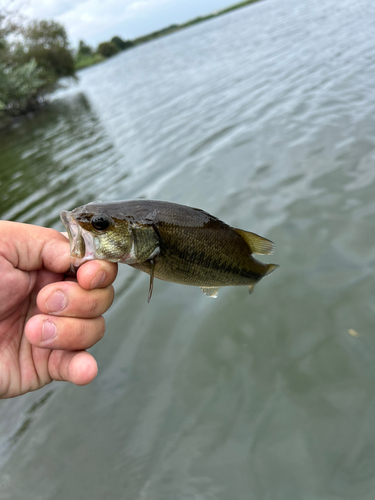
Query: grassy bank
{"points": [[89, 60]]}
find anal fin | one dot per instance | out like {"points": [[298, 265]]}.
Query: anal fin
{"points": [[210, 291]]}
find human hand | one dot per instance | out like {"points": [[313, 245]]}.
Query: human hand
{"points": [[46, 319]]}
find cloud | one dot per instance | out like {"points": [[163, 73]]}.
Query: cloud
{"points": [[140, 5], [46, 9], [87, 18]]}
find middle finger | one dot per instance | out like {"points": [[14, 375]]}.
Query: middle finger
{"points": [[67, 298]]}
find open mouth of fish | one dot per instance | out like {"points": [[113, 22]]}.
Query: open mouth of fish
{"points": [[82, 246]]}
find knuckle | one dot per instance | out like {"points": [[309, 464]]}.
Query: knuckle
{"points": [[93, 306], [81, 333]]}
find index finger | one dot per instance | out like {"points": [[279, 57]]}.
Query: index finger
{"points": [[96, 274]]}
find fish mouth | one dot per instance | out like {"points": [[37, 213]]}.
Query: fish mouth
{"points": [[82, 245]]}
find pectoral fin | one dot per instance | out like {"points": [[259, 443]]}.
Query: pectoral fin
{"points": [[210, 291], [152, 269], [256, 243], [146, 242]]}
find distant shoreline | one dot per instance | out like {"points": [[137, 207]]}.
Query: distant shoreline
{"points": [[177, 27], [173, 28]]}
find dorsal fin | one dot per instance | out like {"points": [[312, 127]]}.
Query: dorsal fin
{"points": [[256, 243]]}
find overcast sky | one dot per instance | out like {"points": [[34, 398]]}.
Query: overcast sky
{"points": [[98, 20]]}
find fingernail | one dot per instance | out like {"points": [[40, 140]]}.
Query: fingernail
{"points": [[98, 280], [56, 302], [48, 330]]}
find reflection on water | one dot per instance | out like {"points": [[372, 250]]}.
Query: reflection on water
{"points": [[53, 158], [265, 118]]}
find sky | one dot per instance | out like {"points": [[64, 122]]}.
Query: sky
{"points": [[96, 21]]}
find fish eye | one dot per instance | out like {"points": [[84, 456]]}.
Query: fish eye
{"points": [[100, 222]]}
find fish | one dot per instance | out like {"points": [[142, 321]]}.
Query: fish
{"points": [[168, 241]]}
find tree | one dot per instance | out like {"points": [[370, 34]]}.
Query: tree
{"points": [[121, 44], [84, 49], [107, 49], [47, 43], [47, 34]]}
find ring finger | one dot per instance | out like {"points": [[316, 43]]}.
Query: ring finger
{"points": [[57, 332]]}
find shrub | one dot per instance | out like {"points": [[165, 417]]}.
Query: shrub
{"points": [[107, 49], [19, 87]]}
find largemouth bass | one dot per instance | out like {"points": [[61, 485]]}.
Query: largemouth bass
{"points": [[167, 241]]}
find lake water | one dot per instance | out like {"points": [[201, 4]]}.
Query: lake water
{"points": [[265, 118]]}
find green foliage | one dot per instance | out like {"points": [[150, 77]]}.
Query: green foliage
{"points": [[57, 62], [86, 56], [46, 34], [121, 44], [85, 61], [19, 87], [47, 43], [107, 49], [84, 50]]}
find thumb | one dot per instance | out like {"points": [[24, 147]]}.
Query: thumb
{"points": [[30, 247]]}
